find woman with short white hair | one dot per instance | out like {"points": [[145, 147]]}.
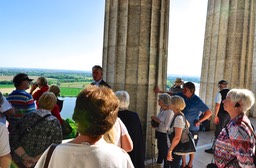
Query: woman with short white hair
{"points": [[236, 143], [132, 122], [163, 120]]}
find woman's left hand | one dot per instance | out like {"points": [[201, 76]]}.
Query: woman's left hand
{"points": [[169, 156], [29, 161]]}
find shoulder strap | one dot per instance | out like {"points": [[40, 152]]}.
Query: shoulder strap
{"points": [[177, 116], [30, 128], [49, 155]]}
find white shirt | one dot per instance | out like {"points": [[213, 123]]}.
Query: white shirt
{"points": [[218, 98], [97, 83], [3, 108], [99, 155], [4, 140], [178, 123], [120, 130], [165, 116]]}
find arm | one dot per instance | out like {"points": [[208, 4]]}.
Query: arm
{"points": [[33, 88], [10, 112], [216, 118], [155, 119], [175, 141], [157, 90], [5, 161], [207, 114], [126, 143]]}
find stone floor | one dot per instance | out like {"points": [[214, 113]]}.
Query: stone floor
{"points": [[201, 158]]}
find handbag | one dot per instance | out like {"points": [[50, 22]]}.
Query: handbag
{"points": [[154, 124], [66, 129], [186, 144]]}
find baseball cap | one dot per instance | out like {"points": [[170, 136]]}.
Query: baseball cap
{"points": [[21, 77], [222, 82]]}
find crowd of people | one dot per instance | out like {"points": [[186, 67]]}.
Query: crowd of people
{"points": [[110, 135]]}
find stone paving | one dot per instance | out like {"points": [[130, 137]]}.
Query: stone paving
{"points": [[201, 158]]}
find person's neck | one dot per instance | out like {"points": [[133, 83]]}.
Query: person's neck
{"points": [[234, 114], [165, 108], [98, 80], [190, 95], [20, 88], [84, 138]]}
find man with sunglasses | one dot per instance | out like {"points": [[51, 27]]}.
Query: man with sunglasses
{"points": [[21, 100]]}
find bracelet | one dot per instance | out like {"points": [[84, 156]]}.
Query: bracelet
{"points": [[23, 154]]}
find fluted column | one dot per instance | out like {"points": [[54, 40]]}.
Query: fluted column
{"points": [[135, 54], [228, 46]]}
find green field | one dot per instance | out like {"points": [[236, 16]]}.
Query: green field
{"points": [[66, 89], [6, 86], [69, 92]]}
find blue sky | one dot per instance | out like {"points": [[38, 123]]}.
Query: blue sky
{"points": [[65, 34]]}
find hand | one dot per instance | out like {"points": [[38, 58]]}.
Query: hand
{"points": [[216, 120], [197, 123], [29, 161], [157, 90], [155, 119], [169, 156]]}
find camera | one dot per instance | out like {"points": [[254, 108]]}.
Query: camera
{"points": [[34, 84]]}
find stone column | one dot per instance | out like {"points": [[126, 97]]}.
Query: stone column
{"points": [[135, 54], [228, 47]]}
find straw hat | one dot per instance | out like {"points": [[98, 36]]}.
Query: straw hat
{"points": [[178, 80]]}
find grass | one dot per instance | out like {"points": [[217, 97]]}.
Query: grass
{"points": [[69, 92]]}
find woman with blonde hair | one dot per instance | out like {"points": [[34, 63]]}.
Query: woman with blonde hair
{"points": [[235, 145], [177, 126]]}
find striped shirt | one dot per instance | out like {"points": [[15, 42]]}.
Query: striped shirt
{"points": [[23, 103]]}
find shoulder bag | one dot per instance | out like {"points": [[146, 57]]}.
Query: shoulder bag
{"points": [[186, 144]]}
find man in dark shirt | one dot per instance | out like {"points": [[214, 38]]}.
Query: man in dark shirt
{"points": [[221, 116], [97, 73]]}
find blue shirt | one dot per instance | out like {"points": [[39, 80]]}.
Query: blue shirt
{"points": [[194, 107]]}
